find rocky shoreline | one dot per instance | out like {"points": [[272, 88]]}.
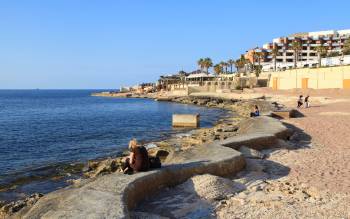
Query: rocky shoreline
{"points": [[264, 189], [225, 127], [261, 189]]}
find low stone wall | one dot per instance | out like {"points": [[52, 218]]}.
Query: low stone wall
{"points": [[113, 195], [314, 78]]}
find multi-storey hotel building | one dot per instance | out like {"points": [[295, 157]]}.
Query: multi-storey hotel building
{"points": [[332, 40]]}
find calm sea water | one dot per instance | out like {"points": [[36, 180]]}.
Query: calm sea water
{"points": [[40, 130]]}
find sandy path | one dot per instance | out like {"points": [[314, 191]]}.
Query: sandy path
{"points": [[326, 164], [318, 166]]}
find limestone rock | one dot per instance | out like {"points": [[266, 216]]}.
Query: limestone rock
{"points": [[230, 129], [105, 166], [162, 154], [254, 165], [251, 153], [202, 102], [211, 188], [13, 207], [145, 215], [159, 152]]}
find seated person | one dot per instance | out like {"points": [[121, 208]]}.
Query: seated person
{"points": [[256, 112], [138, 159]]}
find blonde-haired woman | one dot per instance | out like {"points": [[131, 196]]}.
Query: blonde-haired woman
{"points": [[138, 159]]}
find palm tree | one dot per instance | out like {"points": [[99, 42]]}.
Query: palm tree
{"points": [[223, 65], [346, 47], [207, 63], [200, 64], [296, 47], [231, 62], [261, 56], [244, 62], [226, 65], [274, 53], [320, 50], [239, 64], [255, 56], [217, 69]]}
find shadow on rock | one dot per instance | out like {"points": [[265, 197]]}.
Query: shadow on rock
{"points": [[200, 196], [299, 139], [195, 198]]}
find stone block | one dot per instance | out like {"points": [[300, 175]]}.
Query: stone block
{"points": [[281, 114], [186, 120]]}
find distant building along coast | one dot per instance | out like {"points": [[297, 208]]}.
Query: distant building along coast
{"points": [[332, 41], [317, 60]]}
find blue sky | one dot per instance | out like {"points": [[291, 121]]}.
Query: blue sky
{"points": [[105, 44]]}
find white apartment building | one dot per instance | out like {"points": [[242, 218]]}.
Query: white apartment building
{"points": [[332, 40]]}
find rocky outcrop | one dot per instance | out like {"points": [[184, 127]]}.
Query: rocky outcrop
{"points": [[20, 205], [251, 153], [109, 165], [258, 133], [113, 195]]}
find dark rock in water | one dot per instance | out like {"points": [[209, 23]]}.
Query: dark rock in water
{"points": [[211, 103], [202, 102], [13, 207]]}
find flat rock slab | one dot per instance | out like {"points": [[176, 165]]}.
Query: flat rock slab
{"points": [[258, 133], [113, 195], [286, 114]]}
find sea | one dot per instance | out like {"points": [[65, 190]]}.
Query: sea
{"points": [[47, 136]]}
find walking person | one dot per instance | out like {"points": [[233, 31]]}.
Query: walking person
{"points": [[300, 101], [307, 103]]}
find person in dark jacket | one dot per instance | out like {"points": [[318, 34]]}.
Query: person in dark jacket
{"points": [[306, 101], [300, 101]]}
